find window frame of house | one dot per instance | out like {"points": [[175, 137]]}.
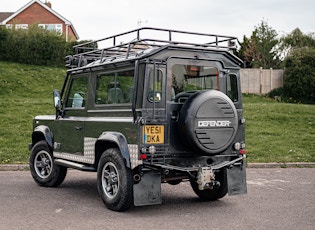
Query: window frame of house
{"points": [[17, 26], [21, 26], [58, 28]]}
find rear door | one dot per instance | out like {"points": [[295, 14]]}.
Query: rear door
{"points": [[154, 125]]}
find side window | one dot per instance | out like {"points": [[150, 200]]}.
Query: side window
{"points": [[114, 88], [232, 89], [155, 87], [77, 93]]}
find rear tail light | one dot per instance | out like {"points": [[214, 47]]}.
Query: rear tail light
{"points": [[237, 146], [143, 156], [240, 147]]}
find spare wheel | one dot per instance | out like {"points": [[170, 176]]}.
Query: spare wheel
{"points": [[208, 122]]}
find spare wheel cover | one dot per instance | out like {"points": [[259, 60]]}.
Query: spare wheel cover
{"points": [[208, 121]]}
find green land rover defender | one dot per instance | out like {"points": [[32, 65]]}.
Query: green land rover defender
{"points": [[164, 107]]}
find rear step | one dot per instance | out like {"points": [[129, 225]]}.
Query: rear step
{"points": [[74, 165]]}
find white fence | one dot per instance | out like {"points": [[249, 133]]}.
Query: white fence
{"points": [[261, 81]]}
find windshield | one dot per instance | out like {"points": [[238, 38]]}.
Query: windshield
{"points": [[187, 78]]}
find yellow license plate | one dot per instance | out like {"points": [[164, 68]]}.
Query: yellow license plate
{"points": [[153, 134]]}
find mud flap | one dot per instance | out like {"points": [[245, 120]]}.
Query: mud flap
{"points": [[148, 190], [236, 177]]}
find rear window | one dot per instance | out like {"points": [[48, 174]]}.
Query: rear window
{"points": [[188, 78]]}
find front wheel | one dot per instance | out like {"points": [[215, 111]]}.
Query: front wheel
{"points": [[215, 193], [114, 181], [43, 169]]}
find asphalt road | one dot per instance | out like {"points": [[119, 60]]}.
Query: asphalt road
{"points": [[277, 199]]}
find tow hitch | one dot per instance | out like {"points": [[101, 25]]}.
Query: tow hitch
{"points": [[206, 179]]}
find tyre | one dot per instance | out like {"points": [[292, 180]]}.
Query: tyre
{"points": [[114, 181], [43, 169], [215, 193], [208, 122]]}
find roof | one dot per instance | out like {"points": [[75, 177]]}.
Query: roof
{"points": [[4, 16], [149, 41], [67, 22]]}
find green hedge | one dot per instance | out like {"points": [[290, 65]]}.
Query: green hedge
{"points": [[34, 46], [299, 82]]}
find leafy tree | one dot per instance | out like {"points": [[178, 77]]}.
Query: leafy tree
{"points": [[299, 83], [260, 50], [248, 52], [295, 40]]}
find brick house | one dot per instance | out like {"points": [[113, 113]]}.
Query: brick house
{"points": [[37, 12]]}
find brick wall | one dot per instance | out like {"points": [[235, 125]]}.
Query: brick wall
{"points": [[36, 14]]}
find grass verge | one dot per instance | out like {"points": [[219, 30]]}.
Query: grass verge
{"points": [[279, 132], [26, 91]]}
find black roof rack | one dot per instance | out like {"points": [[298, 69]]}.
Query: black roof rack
{"points": [[142, 39]]}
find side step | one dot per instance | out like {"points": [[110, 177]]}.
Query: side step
{"points": [[74, 165]]}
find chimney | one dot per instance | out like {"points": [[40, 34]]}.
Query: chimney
{"points": [[48, 4]]}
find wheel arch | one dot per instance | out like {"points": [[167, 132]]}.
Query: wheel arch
{"points": [[42, 132], [109, 140]]}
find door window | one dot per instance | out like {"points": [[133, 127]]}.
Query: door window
{"points": [[155, 86], [78, 93]]}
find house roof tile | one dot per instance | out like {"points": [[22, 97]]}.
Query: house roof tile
{"points": [[5, 15]]}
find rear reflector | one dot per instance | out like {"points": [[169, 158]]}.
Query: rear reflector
{"points": [[143, 156]]}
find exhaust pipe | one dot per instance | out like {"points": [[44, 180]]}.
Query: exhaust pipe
{"points": [[136, 177]]}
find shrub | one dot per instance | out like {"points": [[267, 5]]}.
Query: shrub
{"points": [[276, 94], [299, 81], [34, 46]]}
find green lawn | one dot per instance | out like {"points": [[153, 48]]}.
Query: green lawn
{"points": [[275, 132], [279, 132], [26, 91]]}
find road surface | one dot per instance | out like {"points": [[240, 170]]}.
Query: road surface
{"points": [[277, 199]]}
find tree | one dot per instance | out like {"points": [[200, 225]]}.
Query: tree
{"points": [[248, 52], [295, 40], [260, 50], [299, 82]]}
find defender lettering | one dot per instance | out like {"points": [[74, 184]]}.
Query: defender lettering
{"points": [[214, 123]]}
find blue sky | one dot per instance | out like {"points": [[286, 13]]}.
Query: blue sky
{"points": [[95, 19]]}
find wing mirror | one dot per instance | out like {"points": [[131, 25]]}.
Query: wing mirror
{"points": [[57, 99], [57, 103]]}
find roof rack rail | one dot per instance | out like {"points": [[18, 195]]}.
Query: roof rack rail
{"points": [[142, 39]]}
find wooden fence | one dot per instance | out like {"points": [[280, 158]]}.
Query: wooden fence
{"points": [[261, 81]]}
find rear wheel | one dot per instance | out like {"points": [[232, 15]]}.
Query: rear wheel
{"points": [[114, 181], [215, 193], [43, 169]]}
